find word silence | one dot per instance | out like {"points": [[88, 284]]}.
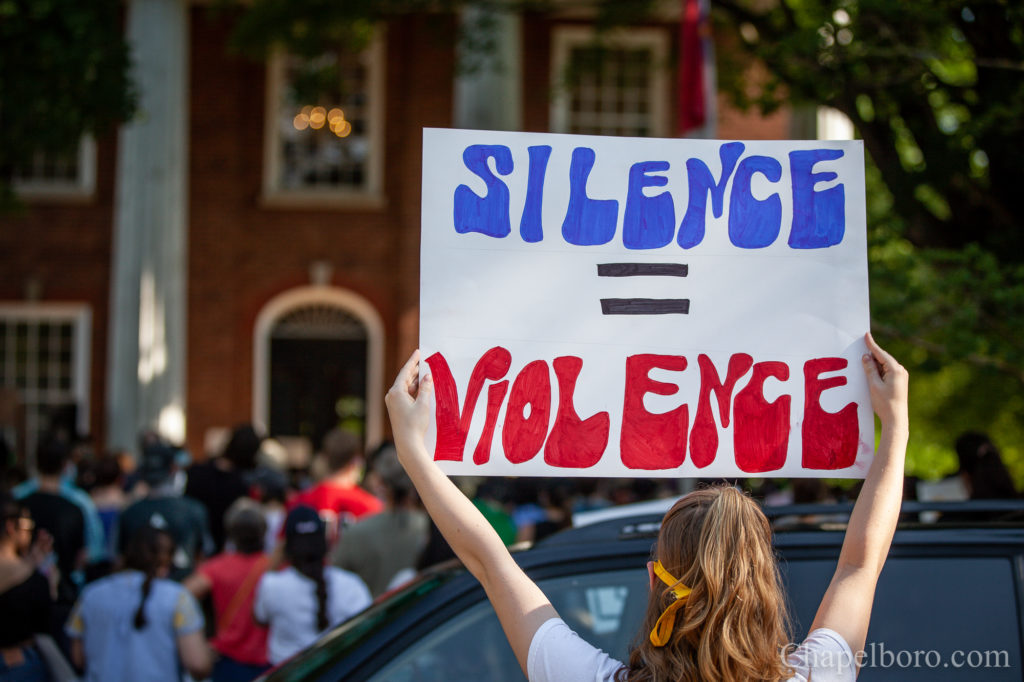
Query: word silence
{"points": [[538, 418], [648, 221]]}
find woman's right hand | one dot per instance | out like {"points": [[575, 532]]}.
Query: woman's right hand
{"points": [[409, 403], [888, 382]]}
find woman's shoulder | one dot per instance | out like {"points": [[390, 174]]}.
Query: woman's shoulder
{"points": [[113, 589], [163, 591], [169, 586], [343, 577], [286, 579], [824, 654], [14, 574], [113, 582], [132, 579], [558, 654], [22, 579], [279, 574]]}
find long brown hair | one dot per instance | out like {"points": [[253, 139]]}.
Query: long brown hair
{"points": [[735, 623]]}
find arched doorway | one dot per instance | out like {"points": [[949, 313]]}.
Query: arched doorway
{"points": [[318, 362]]}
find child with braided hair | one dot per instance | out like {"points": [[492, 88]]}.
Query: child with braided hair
{"points": [[137, 625], [300, 602]]}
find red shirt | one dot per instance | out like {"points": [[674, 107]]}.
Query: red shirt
{"points": [[338, 504], [343, 501], [240, 638]]}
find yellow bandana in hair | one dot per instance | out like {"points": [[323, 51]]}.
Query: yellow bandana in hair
{"points": [[667, 620]]}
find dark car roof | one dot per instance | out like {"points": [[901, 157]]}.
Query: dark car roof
{"points": [[990, 529]]}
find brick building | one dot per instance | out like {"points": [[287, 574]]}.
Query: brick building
{"points": [[237, 254]]}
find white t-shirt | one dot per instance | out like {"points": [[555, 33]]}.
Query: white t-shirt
{"points": [[286, 602], [557, 654]]}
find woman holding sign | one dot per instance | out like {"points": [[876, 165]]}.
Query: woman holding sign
{"points": [[716, 609]]}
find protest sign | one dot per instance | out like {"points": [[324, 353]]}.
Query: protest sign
{"points": [[599, 306]]}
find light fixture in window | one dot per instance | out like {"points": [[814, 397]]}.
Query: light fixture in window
{"points": [[341, 128], [317, 118], [324, 126]]}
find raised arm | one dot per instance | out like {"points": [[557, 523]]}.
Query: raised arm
{"points": [[846, 606], [521, 607]]}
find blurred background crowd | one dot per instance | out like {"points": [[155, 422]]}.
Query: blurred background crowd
{"points": [[210, 212], [245, 558]]}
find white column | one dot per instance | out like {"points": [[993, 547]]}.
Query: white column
{"points": [[146, 351], [488, 84]]}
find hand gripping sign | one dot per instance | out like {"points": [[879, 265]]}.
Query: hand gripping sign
{"points": [[596, 306]]}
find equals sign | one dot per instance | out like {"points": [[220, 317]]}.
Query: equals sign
{"points": [[643, 306]]}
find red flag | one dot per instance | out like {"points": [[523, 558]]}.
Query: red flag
{"points": [[693, 29]]}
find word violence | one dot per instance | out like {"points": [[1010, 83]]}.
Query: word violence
{"points": [[648, 441]]}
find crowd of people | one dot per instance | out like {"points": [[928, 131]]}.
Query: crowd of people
{"points": [[141, 568], [131, 566], [225, 567]]}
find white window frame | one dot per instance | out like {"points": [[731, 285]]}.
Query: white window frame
{"points": [[565, 38], [370, 196], [351, 303], [79, 315], [80, 189]]}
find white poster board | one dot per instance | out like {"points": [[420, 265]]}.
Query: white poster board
{"points": [[633, 307]]}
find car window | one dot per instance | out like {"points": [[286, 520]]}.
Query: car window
{"points": [[954, 614], [321, 656], [605, 608], [957, 615]]}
